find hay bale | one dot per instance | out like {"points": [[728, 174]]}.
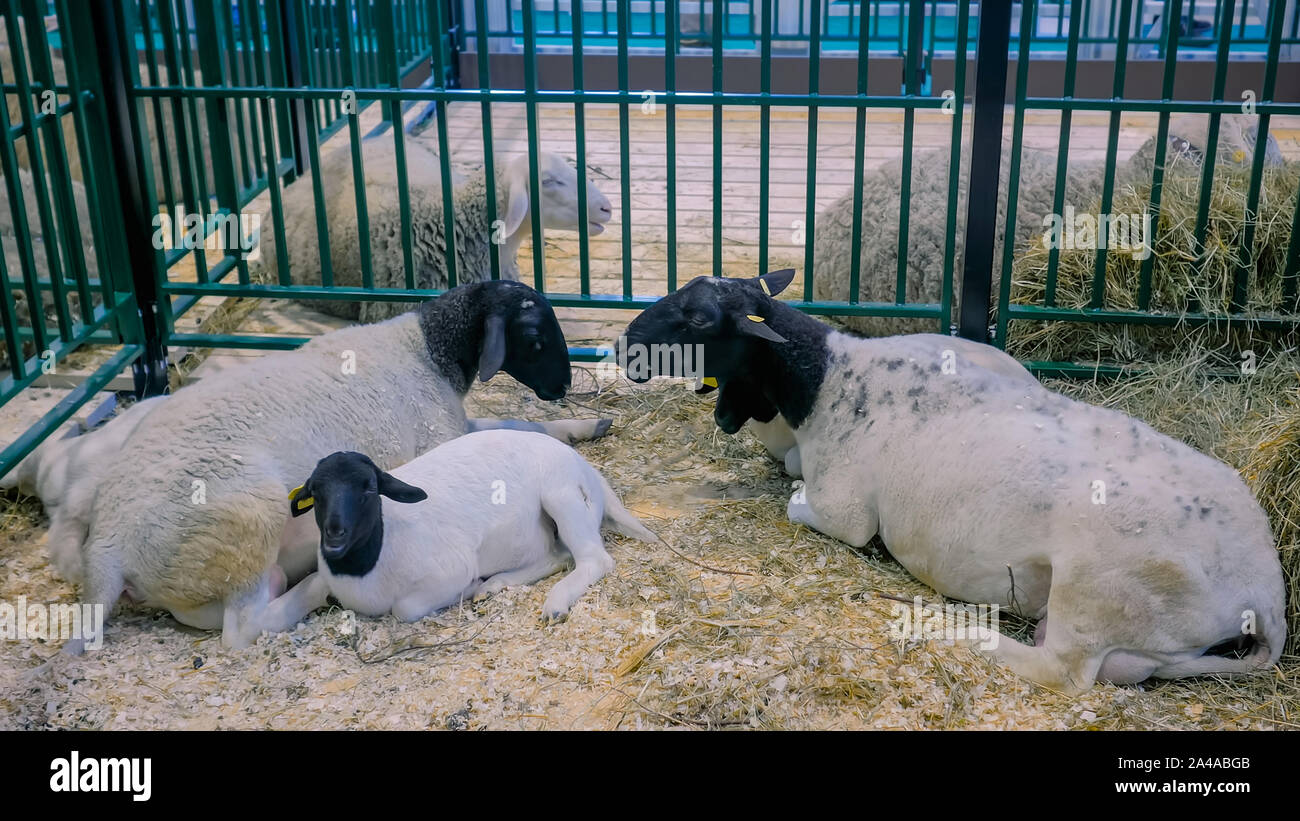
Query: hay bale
{"points": [[1179, 284], [1272, 469]]}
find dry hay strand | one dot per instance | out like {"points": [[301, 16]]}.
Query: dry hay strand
{"points": [[1179, 283], [227, 317], [1272, 468]]}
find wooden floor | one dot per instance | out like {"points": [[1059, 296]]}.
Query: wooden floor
{"points": [[647, 208]]}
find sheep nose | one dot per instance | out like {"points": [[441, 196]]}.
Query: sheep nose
{"points": [[334, 531], [605, 210]]}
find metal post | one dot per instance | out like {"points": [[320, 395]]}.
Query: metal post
{"points": [[150, 369], [986, 161], [295, 77]]}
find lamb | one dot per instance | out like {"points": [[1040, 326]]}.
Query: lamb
{"points": [[1139, 555], [506, 508], [201, 530], [473, 235], [61, 473], [927, 228]]}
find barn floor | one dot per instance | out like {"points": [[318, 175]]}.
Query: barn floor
{"points": [[741, 620], [756, 624]]}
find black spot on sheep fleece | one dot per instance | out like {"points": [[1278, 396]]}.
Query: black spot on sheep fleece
{"points": [[196, 522], [992, 489]]}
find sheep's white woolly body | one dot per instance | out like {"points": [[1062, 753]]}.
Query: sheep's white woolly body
{"points": [[62, 473], [976, 483], [503, 508], [218, 471]]}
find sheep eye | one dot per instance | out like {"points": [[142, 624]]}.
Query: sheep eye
{"points": [[537, 346]]}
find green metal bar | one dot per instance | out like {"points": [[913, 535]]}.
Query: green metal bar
{"points": [[489, 159], [438, 27], [1173, 11], [624, 17], [1112, 146], [386, 29], [814, 93], [672, 26], [350, 69], [151, 65], [54, 233], [954, 165], [1063, 146], [859, 160], [193, 184], [765, 138], [218, 114], [246, 51], [1245, 253], [696, 98], [66, 407], [911, 65], [530, 112], [272, 175], [227, 28], [717, 5], [580, 145], [1028, 14], [313, 155], [1212, 139]]}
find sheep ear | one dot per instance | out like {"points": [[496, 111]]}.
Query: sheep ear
{"points": [[757, 326], [494, 347], [400, 491], [300, 501], [517, 199], [774, 282]]}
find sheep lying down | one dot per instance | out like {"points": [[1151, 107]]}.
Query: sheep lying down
{"points": [[1139, 555], [195, 522], [469, 518]]}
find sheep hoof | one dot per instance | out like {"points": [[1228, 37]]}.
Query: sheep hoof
{"points": [[553, 618]]}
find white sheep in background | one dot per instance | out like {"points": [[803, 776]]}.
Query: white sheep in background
{"points": [[194, 521], [472, 516], [927, 226], [1139, 555], [474, 235], [61, 471]]}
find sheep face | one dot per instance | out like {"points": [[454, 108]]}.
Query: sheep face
{"points": [[344, 492], [559, 195], [522, 337], [726, 317]]}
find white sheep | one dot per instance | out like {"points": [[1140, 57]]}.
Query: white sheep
{"points": [[1139, 555], [928, 214], [194, 521], [473, 234], [61, 472], [472, 516]]}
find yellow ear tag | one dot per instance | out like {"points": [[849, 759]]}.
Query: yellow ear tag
{"points": [[1239, 156], [753, 318], [709, 381], [301, 504], [766, 290]]}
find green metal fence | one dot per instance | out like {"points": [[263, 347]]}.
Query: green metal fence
{"points": [[204, 107]]}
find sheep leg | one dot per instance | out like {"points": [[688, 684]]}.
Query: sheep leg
{"points": [[242, 610], [104, 584], [284, 612], [856, 527], [567, 431], [66, 535], [528, 574], [579, 531]]}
